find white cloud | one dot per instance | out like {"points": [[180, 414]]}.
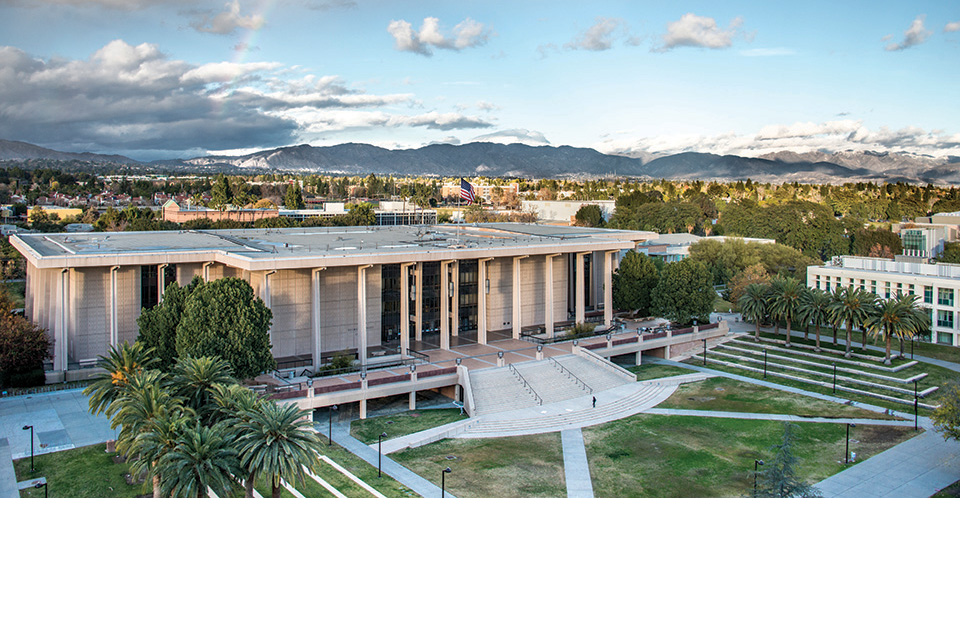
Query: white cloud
{"points": [[692, 30], [227, 22], [513, 136], [469, 33], [835, 135], [598, 37], [952, 26], [913, 36]]}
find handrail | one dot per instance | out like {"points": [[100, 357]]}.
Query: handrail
{"points": [[523, 381], [620, 371], [583, 384]]}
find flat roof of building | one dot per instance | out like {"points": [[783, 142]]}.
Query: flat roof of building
{"points": [[338, 245]]}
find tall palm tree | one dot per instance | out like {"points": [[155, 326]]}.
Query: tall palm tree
{"points": [[231, 402], [814, 310], [918, 320], [891, 317], [157, 437], [786, 300], [850, 306], [194, 380], [273, 440], [753, 304], [202, 458], [145, 396], [118, 365]]}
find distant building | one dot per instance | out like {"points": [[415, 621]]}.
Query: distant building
{"points": [[926, 237], [173, 212], [483, 191], [935, 285], [674, 247], [554, 211]]}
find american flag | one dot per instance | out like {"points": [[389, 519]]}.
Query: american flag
{"points": [[466, 191]]}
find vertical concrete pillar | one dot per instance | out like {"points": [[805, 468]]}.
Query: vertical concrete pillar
{"points": [[114, 320], [445, 304], [362, 319], [61, 324], [317, 344], [161, 282], [267, 297], [206, 271], [455, 299], [418, 301], [639, 357], [548, 320], [363, 409], [412, 401], [580, 308], [517, 302], [483, 276], [405, 307], [607, 288]]}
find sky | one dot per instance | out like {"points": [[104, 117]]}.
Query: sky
{"points": [[155, 79]]}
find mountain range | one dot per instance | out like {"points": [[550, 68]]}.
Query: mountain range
{"points": [[519, 160]]}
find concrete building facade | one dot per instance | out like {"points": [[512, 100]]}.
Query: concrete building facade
{"points": [[937, 287], [377, 292]]}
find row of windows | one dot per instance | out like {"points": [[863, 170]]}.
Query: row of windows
{"points": [[945, 297]]}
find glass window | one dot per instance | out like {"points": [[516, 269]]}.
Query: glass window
{"points": [[910, 290], [818, 282], [944, 338], [899, 288], [945, 319], [945, 297], [873, 287], [862, 285], [886, 290], [928, 295], [913, 244]]}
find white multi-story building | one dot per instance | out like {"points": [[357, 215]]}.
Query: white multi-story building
{"points": [[935, 285]]}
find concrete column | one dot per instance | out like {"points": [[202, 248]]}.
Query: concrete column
{"points": [[412, 401], [114, 320], [455, 300], [445, 304], [267, 297], [596, 274], [548, 296], [482, 276], [317, 345], [607, 288], [161, 282], [405, 307], [363, 409], [206, 271], [580, 313], [61, 325], [517, 316], [362, 318], [639, 357], [418, 302]]}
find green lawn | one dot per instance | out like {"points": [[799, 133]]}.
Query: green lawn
{"points": [[926, 349], [722, 306], [651, 371], [402, 424], [368, 473], [517, 467], [724, 394], [87, 472], [953, 491], [680, 457]]}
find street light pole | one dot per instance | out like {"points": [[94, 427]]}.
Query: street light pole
{"points": [[30, 427], [764, 364], [846, 456], [834, 377], [704, 352], [443, 482], [380, 452], [756, 465], [916, 419]]}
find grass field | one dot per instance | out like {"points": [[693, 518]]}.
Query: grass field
{"points": [[724, 394], [518, 467], [684, 457], [87, 472], [920, 348], [651, 371], [402, 424]]}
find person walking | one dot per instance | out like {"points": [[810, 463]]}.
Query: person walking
{"points": [[594, 402]]}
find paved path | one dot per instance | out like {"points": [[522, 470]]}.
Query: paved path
{"points": [[575, 467], [773, 416], [8, 479], [917, 468], [341, 435]]}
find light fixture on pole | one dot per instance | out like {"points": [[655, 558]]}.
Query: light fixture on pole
{"points": [[443, 481], [704, 352], [916, 418], [45, 488], [380, 452], [756, 465], [846, 456], [30, 427]]}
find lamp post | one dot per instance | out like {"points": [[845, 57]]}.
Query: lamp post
{"points": [[330, 425], [834, 377], [756, 465], [846, 456], [45, 488], [380, 452], [443, 481], [916, 419], [764, 364], [30, 427], [704, 352]]}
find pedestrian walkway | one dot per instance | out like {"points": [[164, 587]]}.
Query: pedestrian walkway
{"points": [[774, 416], [576, 470], [8, 479], [341, 435]]}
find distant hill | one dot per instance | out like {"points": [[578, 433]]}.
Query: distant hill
{"points": [[519, 160]]}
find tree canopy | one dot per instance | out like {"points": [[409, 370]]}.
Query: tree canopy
{"points": [[634, 281], [684, 293]]}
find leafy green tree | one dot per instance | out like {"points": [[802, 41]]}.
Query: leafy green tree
{"points": [[158, 325], [634, 281], [274, 441], [224, 318], [203, 457], [23, 347], [946, 417], [221, 194], [754, 274], [779, 477], [950, 253], [684, 293], [754, 303], [293, 198], [786, 295], [589, 215]]}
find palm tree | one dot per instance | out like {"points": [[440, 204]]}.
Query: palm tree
{"points": [[814, 310], [144, 397], [850, 306], [157, 437], [890, 317], [918, 320], [272, 441], [230, 403], [785, 300], [118, 365], [194, 380], [202, 458], [753, 304]]}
